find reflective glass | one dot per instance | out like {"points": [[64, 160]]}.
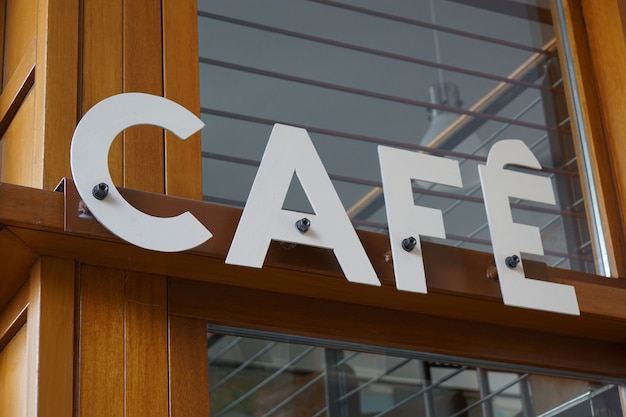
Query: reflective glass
{"points": [[270, 375], [449, 78]]}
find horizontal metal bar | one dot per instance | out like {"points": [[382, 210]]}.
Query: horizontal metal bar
{"points": [[429, 25], [371, 51], [359, 181], [363, 138], [371, 94]]}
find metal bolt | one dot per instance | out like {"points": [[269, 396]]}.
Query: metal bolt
{"points": [[409, 243], [100, 191], [512, 261], [303, 225]]}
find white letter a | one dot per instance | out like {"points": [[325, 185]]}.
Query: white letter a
{"points": [[290, 150]]}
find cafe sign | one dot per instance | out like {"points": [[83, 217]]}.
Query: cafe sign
{"points": [[290, 151]]}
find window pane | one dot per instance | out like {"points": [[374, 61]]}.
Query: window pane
{"points": [[271, 375], [445, 77]]}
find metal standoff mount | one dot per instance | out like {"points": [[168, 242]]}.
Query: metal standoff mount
{"points": [[303, 225], [409, 243], [512, 261], [100, 191]]}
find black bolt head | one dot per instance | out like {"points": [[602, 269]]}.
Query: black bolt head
{"points": [[409, 243], [303, 225], [100, 191], [512, 261]]}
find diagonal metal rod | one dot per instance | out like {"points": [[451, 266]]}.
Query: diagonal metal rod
{"points": [[243, 366], [347, 358], [493, 136], [362, 204], [422, 391], [319, 413], [295, 394], [265, 382], [490, 396], [373, 380], [225, 349]]}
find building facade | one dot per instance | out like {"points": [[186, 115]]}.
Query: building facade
{"points": [[92, 325]]}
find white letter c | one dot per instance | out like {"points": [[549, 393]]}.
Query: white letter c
{"points": [[89, 161]]}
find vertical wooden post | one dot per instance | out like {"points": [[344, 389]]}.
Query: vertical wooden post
{"points": [[590, 39], [183, 160], [100, 360], [51, 338], [56, 74], [123, 362], [188, 367], [146, 346], [143, 72]]}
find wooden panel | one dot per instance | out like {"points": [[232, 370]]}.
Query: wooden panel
{"points": [[335, 320], [13, 376], [123, 344], [16, 89], [21, 24], [183, 159], [457, 289], [15, 256], [51, 338], [143, 71], [102, 57], [2, 30], [101, 349], [597, 144], [56, 89], [32, 207], [13, 316], [17, 148], [16, 259], [146, 346], [189, 368]]}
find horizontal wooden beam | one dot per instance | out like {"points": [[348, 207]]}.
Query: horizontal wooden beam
{"points": [[391, 328], [460, 288]]}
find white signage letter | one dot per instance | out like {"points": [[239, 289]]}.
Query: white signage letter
{"points": [[510, 239], [406, 220], [89, 159], [290, 150]]}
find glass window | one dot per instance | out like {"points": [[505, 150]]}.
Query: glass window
{"points": [[449, 78], [256, 374]]}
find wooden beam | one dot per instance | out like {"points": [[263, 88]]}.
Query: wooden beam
{"points": [[17, 87], [13, 317], [16, 259], [367, 325], [459, 286]]}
